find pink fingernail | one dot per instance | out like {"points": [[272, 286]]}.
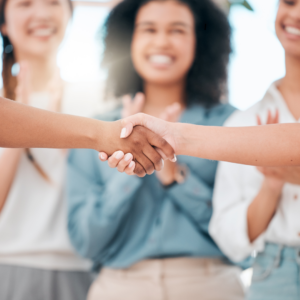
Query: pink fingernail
{"points": [[174, 159], [127, 157], [102, 156], [131, 165], [123, 133], [119, 155]]}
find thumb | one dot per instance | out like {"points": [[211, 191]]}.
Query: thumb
{"points": [[129, 122]]}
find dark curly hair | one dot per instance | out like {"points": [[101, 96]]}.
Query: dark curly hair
{"points": [[207, 77]]}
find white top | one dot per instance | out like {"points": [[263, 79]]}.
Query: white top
{"points": [[237, 185], [33, 222]]}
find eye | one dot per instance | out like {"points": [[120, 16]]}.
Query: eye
{"points": [[289, 2], [24, 3], [177, 31], [54, 2], [149, 30]]}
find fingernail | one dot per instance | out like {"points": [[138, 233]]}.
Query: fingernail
{"points": [[119, 155], [127, 157], [163, 163], [102, 156], [123, 133], [131, 165], [174, 159]]}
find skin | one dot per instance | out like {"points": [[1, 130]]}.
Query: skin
{"points": [[166, 29], [264, 205], [36, 28]]}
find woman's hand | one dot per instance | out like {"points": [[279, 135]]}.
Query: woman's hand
{"points": [[142, 144], [23, 84], [132, 106], [167, 175]]}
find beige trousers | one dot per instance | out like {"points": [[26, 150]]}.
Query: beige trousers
{"points": [[170, 279]]}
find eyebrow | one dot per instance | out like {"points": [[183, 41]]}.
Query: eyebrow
{"points": [[147, 23]]}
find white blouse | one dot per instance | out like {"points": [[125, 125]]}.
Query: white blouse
{"points": [[33, 222], [237, 185]]}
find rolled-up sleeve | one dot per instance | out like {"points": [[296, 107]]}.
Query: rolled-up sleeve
{"points": [[96, 208], [228, 225]]}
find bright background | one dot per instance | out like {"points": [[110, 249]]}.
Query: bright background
{"points": [[257, 60]]}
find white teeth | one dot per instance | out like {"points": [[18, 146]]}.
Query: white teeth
{"points": [[160, 59], [292, 30], [42, 32]]}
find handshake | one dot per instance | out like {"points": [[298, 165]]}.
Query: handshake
{"points": [[148, 141]]}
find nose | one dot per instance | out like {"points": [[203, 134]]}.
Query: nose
{"points": [[41, 10], [295, 12], [161, 39]]}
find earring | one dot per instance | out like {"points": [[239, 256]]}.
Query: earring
{"points": [[8, 49]]}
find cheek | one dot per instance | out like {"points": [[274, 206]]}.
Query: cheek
{"points": [[15, 27], [186, 49], [137, 49]]}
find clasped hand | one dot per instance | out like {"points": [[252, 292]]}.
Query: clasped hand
{"points": [[150, 149]]}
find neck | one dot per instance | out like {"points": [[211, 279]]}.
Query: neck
{"points": [[42, 71], [292, 77], [289, 86], [158, 97]]}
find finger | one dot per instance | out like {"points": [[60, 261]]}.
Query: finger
{"points": [[158, 142], [138, 103], [171, 113], [129, 122], [103, 156], [145, 162], [127, 103], [258, 119], [130, 169], [163, 156], [114, 160], [124, 162], [269, 119], [277, 116], [154, 157], [139, 170]]}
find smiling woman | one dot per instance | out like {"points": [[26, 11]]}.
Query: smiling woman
{"points": [[36, 257]]}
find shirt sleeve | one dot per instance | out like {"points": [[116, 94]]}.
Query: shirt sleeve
{"points": [[193, 197], [228, 225], [95, 208]]}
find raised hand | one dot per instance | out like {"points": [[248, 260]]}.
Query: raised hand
{"points": [[272, 181], [132, 106], [23, 84]]}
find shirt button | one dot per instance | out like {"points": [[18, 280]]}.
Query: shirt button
{"points": [[295, 197]]}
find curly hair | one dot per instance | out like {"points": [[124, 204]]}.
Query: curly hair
{"points": [[206, 80]]}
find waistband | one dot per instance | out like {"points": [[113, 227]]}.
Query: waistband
{"points": [[172, 267], [282, 251]]}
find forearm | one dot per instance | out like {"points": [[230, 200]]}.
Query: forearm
{"points": [[271, 145], [261, 211], [27, 127], [9, 161]]}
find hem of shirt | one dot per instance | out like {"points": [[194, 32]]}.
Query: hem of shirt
{"points": [[47, 262]]}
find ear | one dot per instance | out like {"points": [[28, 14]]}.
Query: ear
{"points": [[3, 29]]}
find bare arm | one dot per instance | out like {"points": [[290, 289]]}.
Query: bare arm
{"points": [[256, 146], [9, 160], [263, 207]]}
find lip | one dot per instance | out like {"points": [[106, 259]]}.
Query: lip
{"points": [[42, 32], [292, 32]]}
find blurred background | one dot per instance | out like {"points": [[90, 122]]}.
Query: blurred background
{"points": [[257, 58]]}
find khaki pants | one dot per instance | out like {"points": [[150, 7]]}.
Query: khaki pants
{"points": [[170, 279]]}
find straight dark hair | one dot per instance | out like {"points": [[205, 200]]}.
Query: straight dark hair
{"points": [[206, 80]]}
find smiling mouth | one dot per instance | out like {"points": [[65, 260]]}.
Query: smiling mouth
{"points": [[42, 32], [163, 60], [292, 30]]}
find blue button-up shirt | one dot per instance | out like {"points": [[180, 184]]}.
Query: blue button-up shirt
{"points": [[117, 220]]}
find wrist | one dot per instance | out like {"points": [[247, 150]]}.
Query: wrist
{"points": [[273, 186]]}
